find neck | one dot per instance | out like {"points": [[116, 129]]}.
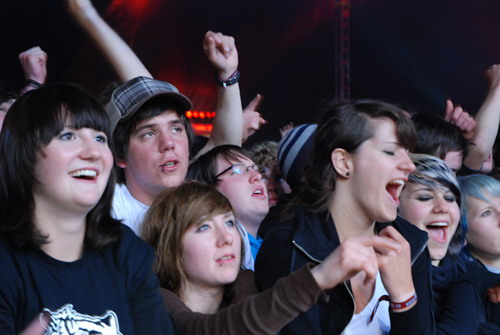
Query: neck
{"points": [[349, 219], [490, 261], [137, 191], [250, 226], [201, 300], [65, 233]]}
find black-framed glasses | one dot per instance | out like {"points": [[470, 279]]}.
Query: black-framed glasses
{"points": [[239, 169]]}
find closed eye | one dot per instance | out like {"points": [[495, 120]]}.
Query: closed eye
{"points": [[449, 198]]}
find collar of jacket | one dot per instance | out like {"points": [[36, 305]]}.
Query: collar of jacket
{"points": [[316, 236]]}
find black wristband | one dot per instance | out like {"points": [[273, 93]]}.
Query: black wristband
{"points": [[233, 79], [32, 83]]}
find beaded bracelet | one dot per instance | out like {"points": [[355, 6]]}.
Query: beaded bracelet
{"points": [[233, 79]]}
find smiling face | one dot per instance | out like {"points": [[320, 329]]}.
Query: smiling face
{"points": [[72, 171], [158, 156], [379, 168], [246, 191], [211, 253], [483, 237], [434, 210]]}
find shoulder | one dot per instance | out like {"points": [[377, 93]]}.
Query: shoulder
{"points": [[132, 248], [128, 209]]}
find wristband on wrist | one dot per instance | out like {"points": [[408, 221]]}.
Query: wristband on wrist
{"points": [[29, 85], [402, 305], [32, 83], [395, 306], [233, 79]]}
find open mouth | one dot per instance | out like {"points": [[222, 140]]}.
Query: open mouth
{"points": [[394, 188], [168, 165], [84, 174], [259, 193], [438, 231], [226, 259]]}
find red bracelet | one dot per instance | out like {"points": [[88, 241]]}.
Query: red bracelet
{"points": [[402, 305], [394, 305]]}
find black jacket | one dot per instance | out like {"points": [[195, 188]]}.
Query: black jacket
{"points": [[311, 237]]}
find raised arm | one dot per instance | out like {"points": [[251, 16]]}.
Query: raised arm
{"points": [[228, 123], [122, 58], [488, 119], [34, 64]]}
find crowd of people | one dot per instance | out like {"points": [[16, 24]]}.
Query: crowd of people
{"points": [[118, 219]]}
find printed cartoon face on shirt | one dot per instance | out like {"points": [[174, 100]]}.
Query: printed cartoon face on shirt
{"points": [[212, 253], [67, 321], [434, 210]]}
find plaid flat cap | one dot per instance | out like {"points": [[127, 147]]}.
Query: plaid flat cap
{"points": [[130, 96]]}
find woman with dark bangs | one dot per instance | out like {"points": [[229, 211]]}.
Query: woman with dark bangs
{"points": [[348, 205], [62, 253]]}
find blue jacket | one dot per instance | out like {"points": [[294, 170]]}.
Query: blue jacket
{"points": [[460, 289], [311, 237]]}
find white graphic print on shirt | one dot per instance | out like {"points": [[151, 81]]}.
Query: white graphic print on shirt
{"points": [[67, 321]]}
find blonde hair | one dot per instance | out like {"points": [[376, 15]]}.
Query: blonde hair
{"points": [[171, 214]]}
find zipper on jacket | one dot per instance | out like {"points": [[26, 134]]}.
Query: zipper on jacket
{"points": [[344, 283], [420, 251], [306, 253]]}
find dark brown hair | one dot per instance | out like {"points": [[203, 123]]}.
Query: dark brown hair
{"points": [[30, 125]]}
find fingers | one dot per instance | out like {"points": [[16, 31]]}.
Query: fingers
{"points": [[494, 294], [255, 103], [220, 43], [37, 326], [449, 110], [33, 61], [459, 117], [493, 75]]}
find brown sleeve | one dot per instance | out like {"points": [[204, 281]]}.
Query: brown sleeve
{"points": [[264, 313]]}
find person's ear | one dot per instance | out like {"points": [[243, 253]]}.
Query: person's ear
{"points": [[342, 162], [121, 163]]}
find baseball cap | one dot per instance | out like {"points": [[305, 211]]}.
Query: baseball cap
{"points": [[131, 95]]}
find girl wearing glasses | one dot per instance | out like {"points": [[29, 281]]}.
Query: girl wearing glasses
{"points": [[348, 205], [230, 169]]}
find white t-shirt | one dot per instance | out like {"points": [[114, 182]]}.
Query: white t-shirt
{"points": [[248, 262], [128, 209], [381, 324], [131, 211]]}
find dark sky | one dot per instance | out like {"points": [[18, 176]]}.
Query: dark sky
{"points": [[416, 53]]}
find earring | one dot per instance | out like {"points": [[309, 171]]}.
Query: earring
{"points": [[347, 174]]}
